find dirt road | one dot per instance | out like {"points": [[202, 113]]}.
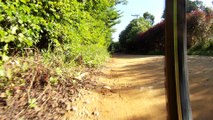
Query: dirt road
{"points": [[133, 89]]}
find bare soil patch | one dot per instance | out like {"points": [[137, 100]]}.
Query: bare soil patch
{"points": [[131, 87]]}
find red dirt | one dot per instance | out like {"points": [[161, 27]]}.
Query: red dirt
{"points": [[134, 90]]}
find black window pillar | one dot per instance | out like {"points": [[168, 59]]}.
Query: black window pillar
{"points": [[177, 88]]}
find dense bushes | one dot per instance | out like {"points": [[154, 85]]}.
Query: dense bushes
{"points": [[70, 25], [199, 35], [151, 41], [46, 49], [199, 27]]}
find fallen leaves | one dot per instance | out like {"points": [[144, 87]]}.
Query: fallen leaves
{"points": [[39, 92]]}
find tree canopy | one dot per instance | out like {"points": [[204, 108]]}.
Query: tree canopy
{"points": [[199, 32], [149, 17], [191, 6], [128, 35]]}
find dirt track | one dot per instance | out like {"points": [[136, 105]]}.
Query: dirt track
{"points": [[137, 89]]}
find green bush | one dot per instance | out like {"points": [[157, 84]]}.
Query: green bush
{"points": [[55, 24]]}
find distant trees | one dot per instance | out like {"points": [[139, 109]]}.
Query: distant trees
{"points": [[199, 35], [191, 6], [194, 5], [114, 47], [127, 36], [151, 40], [149, 17]]}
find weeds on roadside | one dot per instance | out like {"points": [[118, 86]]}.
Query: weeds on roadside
{"points": [[33, 84]]}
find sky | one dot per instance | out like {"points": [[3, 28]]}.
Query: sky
{"points": [[138, 7]]}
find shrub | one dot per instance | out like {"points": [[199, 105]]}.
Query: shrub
{"points": [[151, 40], [199, 27], [53, 24]]}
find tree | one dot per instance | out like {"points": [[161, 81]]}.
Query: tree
{"points": [[199, 26], [127, 36], [191, 6], [199, 35], [149, 17]]}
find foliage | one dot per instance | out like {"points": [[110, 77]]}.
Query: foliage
{"points": [[199, 27], [191, 6], [56, 24], [65, 37], [203, 48], [151, 41], [90, 55], [32, 103], [199, 35], [36, 87], [199, 32], [194, 5], [127, 36], [114, 47], [149, 17]]}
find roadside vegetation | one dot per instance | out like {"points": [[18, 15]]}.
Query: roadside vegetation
{"points": [[145, 38], [127, 36], [48, 50], [200, 32]]}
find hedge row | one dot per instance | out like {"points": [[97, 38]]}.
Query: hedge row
{"points": [[47, 24], [199, 32]]}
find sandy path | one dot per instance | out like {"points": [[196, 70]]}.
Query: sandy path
{"points": [[138, 89], [138, 93]]}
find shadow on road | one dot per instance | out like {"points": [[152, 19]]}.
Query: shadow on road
{"points": [[140, 80]]}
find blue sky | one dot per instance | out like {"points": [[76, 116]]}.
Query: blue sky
{"points": [[155, 7]]}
